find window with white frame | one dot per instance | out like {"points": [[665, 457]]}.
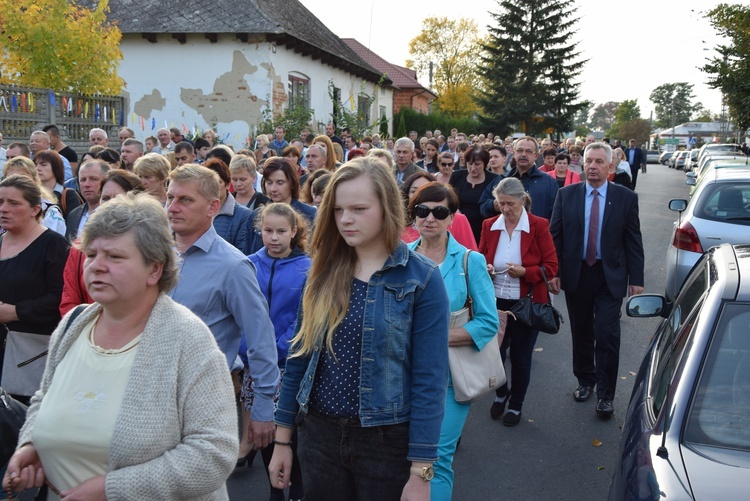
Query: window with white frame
{"points": [[299, 89]]}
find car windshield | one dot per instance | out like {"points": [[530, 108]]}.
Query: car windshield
{"points": [[726, 202], [720, 413]]}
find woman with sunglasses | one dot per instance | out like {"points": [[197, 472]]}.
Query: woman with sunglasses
{"points": [[445, 167], [433, 207]]}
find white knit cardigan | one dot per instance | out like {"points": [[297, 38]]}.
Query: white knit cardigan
{"points": [[175, 437]]}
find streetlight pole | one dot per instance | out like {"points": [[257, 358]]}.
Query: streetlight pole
{"points": [[673, 145]]}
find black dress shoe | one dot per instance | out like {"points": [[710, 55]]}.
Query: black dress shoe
{"points": [[511, 418], [497, 409], [604, 407], [582, 393]]}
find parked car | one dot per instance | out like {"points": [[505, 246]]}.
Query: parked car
{"points": [[719, 148], [665, 156], [652, 156], [691, 160], [679, 160], [686, 434], [713, 162], [718, 212]]}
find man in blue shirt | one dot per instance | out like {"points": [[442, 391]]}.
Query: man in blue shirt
{"points": [[279, 143], [218, 283]]}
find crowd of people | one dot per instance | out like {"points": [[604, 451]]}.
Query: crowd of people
{"points": [[154, 291]]}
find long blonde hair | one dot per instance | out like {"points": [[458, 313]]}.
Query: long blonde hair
{"points": [[326, 298]]}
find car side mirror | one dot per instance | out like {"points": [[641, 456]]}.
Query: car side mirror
{"points": [[677, 205], [690, 181], [690, 174], [646, 305]]}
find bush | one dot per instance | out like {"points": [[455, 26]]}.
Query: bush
{"points": [[414, 120]]}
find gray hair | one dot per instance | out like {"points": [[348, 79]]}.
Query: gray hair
{"points": [[40, 133], [599, 146], [146, 218], [133, 142], [511, 186], [323, 151], [103, 166], [404, 141], [382, 154], [97, 129]]}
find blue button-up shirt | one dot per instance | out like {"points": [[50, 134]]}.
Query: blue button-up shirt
{"points": [[587, 216], [218, 283]]}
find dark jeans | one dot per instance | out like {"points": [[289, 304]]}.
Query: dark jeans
{"points": [[520, 338], [342, 461], [595, 326]]}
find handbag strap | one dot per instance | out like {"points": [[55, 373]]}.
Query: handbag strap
{"points": [[73, 316], [469, 303], [546, 284]]}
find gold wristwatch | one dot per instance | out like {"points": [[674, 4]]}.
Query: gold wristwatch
{"points": [[425, 472]]}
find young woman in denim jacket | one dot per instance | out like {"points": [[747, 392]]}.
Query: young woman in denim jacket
{"points": [[432, 207], [368, 366]]}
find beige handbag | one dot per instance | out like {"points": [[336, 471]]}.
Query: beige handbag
{"points": [[475, 372]]}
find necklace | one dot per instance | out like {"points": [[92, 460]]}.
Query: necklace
{"points": [[438, 256]]}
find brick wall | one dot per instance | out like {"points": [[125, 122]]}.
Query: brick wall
{"points": [[403, 99]]}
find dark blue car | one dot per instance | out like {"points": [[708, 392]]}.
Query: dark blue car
{"points": [[687, 430]]}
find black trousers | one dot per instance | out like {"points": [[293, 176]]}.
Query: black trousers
{"points": [[595, 327], [634, 171]]}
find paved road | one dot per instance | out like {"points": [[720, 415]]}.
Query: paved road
{"points": [[551, 454]]}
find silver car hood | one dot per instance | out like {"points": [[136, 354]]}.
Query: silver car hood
{"points": [[716, 473]]}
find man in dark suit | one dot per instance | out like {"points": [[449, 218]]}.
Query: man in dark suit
{"points": [[596, 230], [636, 159], [404, 149]]}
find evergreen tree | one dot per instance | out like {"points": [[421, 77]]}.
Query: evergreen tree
{"points": [[529, 68]]}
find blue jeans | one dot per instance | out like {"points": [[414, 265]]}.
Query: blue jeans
{"points": [[521, 339], [441, 487], [342, 461]]}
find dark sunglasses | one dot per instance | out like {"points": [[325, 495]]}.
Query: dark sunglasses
{"points": [[449, 164], [440, 212]]}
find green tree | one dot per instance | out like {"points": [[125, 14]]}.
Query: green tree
{"points": [[730, 71], [604, 115], [638, 129], [701, 114], [672, 98], [627, 111], [530, 67], [60, 45], [449, 46]]}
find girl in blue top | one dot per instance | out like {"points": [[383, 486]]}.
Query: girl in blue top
{"points": [[281, 267]]}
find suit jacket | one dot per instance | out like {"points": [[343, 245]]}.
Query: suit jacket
{"points": [[638, 159], [621, 244], [410, 169], [73, 220], [537, 248]]}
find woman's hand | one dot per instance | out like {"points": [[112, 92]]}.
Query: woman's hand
{"points": [[516, 270], [490, 269], [24, 470], [8, 313], [416, 489], [280, 467], [90, 490]]}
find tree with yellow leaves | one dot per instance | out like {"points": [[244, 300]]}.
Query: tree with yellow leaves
{"points": [[59, 44], [452, 46]]}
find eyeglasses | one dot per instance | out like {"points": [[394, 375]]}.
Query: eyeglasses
{"points": [[447, 164], [440, 212]]}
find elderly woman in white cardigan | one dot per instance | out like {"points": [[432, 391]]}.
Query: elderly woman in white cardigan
{"points": [[136, 401]]}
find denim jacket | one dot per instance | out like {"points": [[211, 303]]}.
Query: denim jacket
{"points": [[404, 366]]}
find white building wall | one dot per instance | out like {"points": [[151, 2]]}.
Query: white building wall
{"points": [[227, 85]]}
